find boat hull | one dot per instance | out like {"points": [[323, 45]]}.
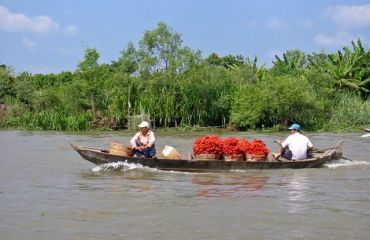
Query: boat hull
{"points": [[100, 156]]}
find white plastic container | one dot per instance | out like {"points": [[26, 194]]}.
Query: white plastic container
{"points": [[170, 153]]}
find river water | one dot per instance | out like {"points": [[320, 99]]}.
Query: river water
{"points": [[47, 191]]}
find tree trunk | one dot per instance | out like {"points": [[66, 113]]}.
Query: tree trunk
{"points": [[284, 122], [93, 100]]}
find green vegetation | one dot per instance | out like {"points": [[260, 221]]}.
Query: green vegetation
{"points": [[179, 88]]}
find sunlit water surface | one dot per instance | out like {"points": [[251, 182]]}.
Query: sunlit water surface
{"points": [[47, 191]]}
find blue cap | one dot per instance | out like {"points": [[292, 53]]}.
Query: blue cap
{"points": [[295, 126]]}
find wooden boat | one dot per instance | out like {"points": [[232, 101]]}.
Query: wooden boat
{"points": [[317, 159]]}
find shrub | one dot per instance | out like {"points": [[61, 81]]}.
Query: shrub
{"points": [[273, 101]]}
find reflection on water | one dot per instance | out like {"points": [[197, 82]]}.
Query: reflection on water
{"points": [[116, 180], [298, 187], [228, 186], [202, 185]]}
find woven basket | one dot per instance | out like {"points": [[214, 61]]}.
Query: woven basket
{"points": [[256, 158], [118, 149], [208, 156], [130, 151], [239, 157]]}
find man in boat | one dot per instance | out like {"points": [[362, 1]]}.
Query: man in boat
{"points": [[143, 142], [295, 146]]}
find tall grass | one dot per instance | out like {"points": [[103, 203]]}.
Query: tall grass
{"points": [[200, 96], [50, 120], [349, 113]]}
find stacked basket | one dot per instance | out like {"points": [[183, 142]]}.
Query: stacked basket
{"points": [[212, 147], [118, 149]]}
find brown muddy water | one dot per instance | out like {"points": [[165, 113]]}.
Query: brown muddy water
{"points": [[47, 191]]}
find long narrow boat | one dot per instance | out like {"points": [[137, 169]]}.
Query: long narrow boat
{"points": [[318, 159]]}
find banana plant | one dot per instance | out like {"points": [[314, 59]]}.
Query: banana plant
{"points": [[291, 62], [350, 69]]}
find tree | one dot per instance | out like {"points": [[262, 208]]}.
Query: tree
{"points": [[6, 82], [161, 50], [88, 69], [129, 60], [25, 89], [159, 47]]}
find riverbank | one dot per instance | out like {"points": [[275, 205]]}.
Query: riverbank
{"points": [[187, 131]]}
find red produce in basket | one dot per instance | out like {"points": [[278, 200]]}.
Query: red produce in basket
{"points": [[209, 144]]}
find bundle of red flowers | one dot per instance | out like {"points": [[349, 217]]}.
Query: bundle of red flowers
{"points": [[243, 145], [209, 144], [257, 148], [231, 146]]}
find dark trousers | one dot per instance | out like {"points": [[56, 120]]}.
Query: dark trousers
{"points": [[147, 153], [287, 153]]}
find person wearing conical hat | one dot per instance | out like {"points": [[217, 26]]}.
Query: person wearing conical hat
{"points": [[295, 146], [143, 142]]}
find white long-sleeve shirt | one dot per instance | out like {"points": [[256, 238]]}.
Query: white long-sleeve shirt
{"points": [[139, 139]]}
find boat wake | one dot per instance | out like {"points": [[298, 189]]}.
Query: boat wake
{"points": [[366, 135], [121, 166], [125, 166], [345, 163]]}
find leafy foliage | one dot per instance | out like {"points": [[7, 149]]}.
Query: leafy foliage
{"points": [[273, 101], [6, 82], [350, 69], [293, 61], [177, 87]]}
